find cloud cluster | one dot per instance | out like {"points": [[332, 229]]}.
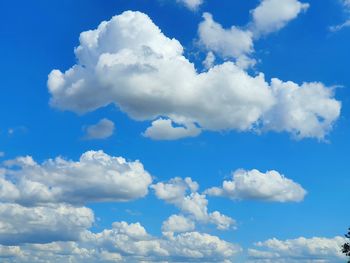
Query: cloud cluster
{"points": [[129, 62], [96, 177], [42, 203], [43, 217], [101, 130], [298, 250], [238, 42], [255, 185], [183, 194], [126, 243]]}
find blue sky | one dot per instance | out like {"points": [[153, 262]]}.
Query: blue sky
{"points": [[139, 89]]}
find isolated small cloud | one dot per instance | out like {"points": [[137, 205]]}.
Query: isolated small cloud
{"points": [[255, 185], [163, 129], [272, 15], [101, 130]]}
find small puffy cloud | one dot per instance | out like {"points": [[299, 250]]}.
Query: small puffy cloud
{"points": [[272, 15], [255, 185], [60, 222], [146, 75], [302, 249], [163, 129], [178, 224], [2, 154], [183, 194], [233, 42], [96, 177], [101, 130], [191, 4]]}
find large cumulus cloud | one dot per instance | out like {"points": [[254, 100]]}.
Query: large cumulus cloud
{"points": [[129, 62]]}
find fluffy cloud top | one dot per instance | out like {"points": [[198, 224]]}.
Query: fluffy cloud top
{"points": [[96, 177], [127, 61], [101, 130], [299, 250], [183, 194], [269, 186]]}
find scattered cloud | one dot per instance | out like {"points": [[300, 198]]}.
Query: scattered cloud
{"points": [[346, 8], [96, 177], [255, 185], [146, 75], [163, 129], [183, 194], [191, 4], [101, 130], [272, 15], [302, 249], [238, 42]]}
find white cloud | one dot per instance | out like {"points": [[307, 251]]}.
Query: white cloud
{"points": [[238, 42], [191, 4], [346, 7], [178, 224], [272, 15], [209, 60], [163, 129], [96, 177], [20, 224], [145, 74], [233, 42], [304, 111], [101, 130], [269, 186], [302, 249], [126, 243], [183, 194]]}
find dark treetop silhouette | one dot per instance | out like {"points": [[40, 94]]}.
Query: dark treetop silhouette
{"points": [[346, 246]]}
